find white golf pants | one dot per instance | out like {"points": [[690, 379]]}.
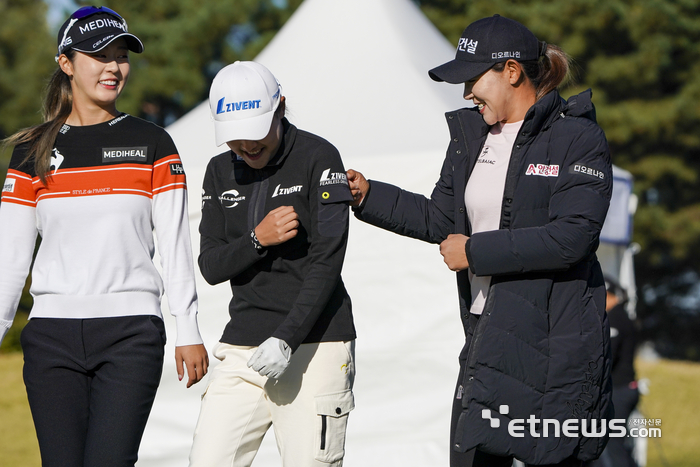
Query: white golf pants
{"points": [[307, 407]]}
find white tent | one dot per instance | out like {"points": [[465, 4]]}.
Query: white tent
{"points": [[354, 72]]}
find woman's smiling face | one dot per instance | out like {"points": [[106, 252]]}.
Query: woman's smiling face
{"points": [[100, 77], [492, 92], [258, 153]]}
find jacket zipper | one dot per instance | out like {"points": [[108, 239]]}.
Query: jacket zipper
{"points": [[258, 202]]}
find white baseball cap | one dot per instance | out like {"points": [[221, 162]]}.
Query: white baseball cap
{"points": [[243, 99]]}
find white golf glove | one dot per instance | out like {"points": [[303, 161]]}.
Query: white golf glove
{"points": [[271, 358]]}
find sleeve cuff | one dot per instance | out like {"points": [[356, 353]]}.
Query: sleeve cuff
{"points": [[187, 330], [470, 259], [4, 327]]}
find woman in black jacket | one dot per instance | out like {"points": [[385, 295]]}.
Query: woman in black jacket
{"points": [[517, 211]]}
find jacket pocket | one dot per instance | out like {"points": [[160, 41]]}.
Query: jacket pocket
{"points": [[332, 410]]}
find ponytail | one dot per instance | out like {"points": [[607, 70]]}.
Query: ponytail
{"points": [[58, 103], [551, 70]]}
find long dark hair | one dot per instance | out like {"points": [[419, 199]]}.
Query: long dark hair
{"points": [[57, 106], [548, 72]]}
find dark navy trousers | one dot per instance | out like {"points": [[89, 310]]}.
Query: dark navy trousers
{"points": [[91, 385]]}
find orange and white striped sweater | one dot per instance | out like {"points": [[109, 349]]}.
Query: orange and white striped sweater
{"points": [[111, 186]]}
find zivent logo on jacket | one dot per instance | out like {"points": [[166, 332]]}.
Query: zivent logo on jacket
{"points": [[328, 178], [286, 191], [9, 185], [543, 170], [176, 168], [230, 199], [135, 154]]}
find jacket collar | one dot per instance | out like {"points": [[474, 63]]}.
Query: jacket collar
{"points": [[288, 137], [541, 115]]}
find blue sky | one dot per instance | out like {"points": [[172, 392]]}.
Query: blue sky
{"points": [[57, 10]]}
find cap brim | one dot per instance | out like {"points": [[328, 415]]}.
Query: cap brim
{"points": [[132, 42], [250, 129], [458, 71]]}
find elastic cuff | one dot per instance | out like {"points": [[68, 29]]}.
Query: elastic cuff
{"points": [[187, 330], [470, 260], [256, 243]]}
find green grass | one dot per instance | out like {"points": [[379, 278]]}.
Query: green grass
{"points": [[672, 398], [18, 445]]}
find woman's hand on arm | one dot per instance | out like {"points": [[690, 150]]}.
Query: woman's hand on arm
{"points": [[453, 249], [195, 358], [359, 186]]}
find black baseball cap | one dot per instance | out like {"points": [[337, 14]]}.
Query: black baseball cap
{"points": [[483, 44], [90, 29]]}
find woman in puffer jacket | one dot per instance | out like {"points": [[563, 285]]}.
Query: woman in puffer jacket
{"points": [[517, 211]]}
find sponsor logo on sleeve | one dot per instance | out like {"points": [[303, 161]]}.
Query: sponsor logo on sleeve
{"points": [[9, 185], [328, 178], [176, 168], [585, 170], [134, 154], [231, 198], [543, 170]]}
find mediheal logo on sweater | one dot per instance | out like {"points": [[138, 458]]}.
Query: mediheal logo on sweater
{"points": [[9, 185], [571, 428], [135, 154]]}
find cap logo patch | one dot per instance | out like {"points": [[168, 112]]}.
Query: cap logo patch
{"points": [[513, 54], [222, 107], [467, 45], [101, 23]]}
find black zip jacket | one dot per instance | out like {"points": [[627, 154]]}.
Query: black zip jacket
{"points": [[292, 291], [542, 345]]}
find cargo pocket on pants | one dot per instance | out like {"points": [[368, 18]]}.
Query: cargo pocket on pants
{"points": [[332, 420]]}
